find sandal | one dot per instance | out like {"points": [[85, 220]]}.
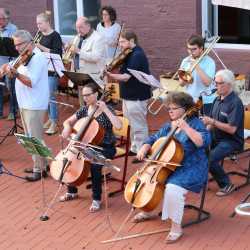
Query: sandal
{"points": [[95, 206], [68, 197], [143, 216], [172, 237]]}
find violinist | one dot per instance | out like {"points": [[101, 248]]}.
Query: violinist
{"points": [[32, 91], [135, 94], [49, 41], [193, 172], [106, 118]]}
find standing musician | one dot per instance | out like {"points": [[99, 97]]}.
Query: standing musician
{"points": [[109, 29], [226, 121], [90, 54], [32, 92], [193, 172], [135, 94], [106, 118], [7, 29], [203, 73], [50, 42]]}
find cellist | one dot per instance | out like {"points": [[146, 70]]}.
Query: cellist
{"points": [[193, 172], [106, 118]]}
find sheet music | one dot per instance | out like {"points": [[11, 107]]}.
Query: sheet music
{"points": [[145, 78], [55, 63]]}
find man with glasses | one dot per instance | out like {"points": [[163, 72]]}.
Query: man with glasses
{"points": [[6, 30], [203, 73], [32, 92], [226, 123]]}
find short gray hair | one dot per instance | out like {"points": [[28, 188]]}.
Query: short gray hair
{"points": [[24, 35], [226, 75]]}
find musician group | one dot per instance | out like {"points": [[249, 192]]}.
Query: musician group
{"points": [[213, 130]]}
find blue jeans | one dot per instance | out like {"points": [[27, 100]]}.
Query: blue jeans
{"points": [[217, 154], [96, 175], [53, 111]]}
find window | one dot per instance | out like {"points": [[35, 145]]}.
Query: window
{"points": [[67, 11], [231, 24]]}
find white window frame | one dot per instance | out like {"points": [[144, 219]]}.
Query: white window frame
{"points": [[205, 19], [80, 12]]}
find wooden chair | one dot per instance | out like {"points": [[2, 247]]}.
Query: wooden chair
{"points": [[122, 150], [235, 156]]}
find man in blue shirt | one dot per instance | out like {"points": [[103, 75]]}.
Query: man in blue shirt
{"points": [[226, 122], [135, 94], [203, 73], [7, 29]]}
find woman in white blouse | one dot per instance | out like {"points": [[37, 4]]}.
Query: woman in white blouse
{"points": [[109, 29]]}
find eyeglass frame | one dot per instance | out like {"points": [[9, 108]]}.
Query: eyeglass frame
{"points": [[173, 109]]}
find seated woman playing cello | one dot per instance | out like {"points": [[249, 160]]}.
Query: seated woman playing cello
{"points": [[193, 172], [106, 119]]}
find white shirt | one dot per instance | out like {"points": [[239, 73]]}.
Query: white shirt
{"points": [[110, 35], [207, 64], [37, 97]]}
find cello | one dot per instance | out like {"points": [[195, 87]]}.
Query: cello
{"points": [[145, 188], [70, 165]]}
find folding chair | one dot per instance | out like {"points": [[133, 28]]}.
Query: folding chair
{"points": [[122, 150], [202, 215], [235, 156]]}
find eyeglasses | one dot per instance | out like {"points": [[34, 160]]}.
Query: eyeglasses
{"points": [[173, 109], [219, 83], [87, 95], [192, 49], [19, 44]]}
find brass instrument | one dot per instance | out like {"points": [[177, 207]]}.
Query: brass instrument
{"points": [[68, 55], [186, 75], [38, 36], [174, 85]]}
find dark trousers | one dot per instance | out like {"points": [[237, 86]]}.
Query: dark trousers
{"points": [[218, 152], [96, 174]]}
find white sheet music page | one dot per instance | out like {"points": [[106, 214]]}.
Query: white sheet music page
{"points": [[55, 63], [145, 78]]}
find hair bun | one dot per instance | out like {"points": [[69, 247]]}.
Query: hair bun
{"points": [[47, 12]]}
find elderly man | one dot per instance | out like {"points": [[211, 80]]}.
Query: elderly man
{"points": [[6, 30], [226, 122], [32, 91], [90, 54]]}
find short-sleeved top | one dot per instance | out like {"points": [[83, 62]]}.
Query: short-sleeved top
{"points": [[207, 64], [103, 120], [53, 42], [193, 172], [110, 35], [229, 110], [133, 89]]}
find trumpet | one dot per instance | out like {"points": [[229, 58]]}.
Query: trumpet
{"points": [[186, 75], [68, 55], [38, 36]]}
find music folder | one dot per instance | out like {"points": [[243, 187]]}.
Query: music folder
{"points": [[7, 47], [55, 63]]}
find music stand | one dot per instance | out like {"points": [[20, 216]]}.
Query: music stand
{"points": [[34, 146], [7, 48]]}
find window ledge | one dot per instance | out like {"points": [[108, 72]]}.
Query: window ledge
{"points": [[230, 46]]}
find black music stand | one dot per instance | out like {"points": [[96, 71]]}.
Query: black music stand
{"points": [[7, 48], [77, 78]]}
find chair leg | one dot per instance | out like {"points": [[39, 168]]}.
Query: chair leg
{"points": [[202, 215]]}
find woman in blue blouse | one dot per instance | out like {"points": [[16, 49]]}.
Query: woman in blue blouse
{"points": [[192, 175]]}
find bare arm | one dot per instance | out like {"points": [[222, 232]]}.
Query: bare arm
{"points": [[119, 77]]}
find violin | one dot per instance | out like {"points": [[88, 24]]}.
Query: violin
{"points": [[70, 166], [116, 62], [145, 188]]}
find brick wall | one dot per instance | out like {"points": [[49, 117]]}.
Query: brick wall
{"points": [[23, 12], [163, 26]]}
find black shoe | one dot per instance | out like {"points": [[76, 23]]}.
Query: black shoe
{"points": [[131, 153], [135, 160], [36, 176]]}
